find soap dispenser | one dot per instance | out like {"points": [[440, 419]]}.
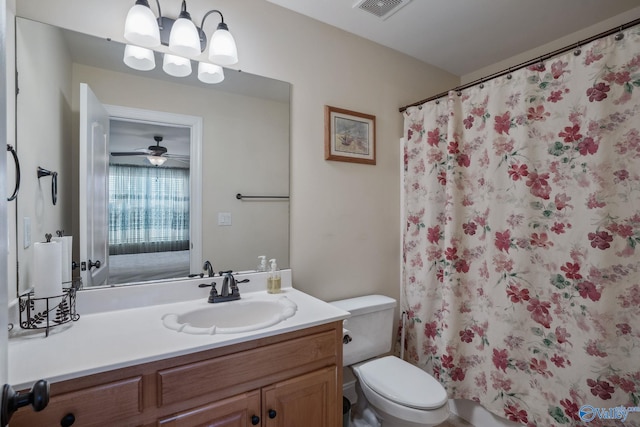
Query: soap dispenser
{"points": [[262, 263], [273, 281]]}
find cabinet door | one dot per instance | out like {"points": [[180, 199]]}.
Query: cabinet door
{"points": [[306, 401], [242, 410]]}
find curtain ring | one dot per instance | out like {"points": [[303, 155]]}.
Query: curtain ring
{"points": [[578, 51], [459, 93], [437, 101], [620, 35], [481, 85], [509, 76]]}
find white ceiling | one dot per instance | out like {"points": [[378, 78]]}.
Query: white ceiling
{"points": [[463, 36]]}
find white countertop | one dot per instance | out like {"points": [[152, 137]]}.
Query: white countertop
{"points": [[117, 338]]}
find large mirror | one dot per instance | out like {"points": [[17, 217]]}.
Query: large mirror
{"points": [[241, 146]]}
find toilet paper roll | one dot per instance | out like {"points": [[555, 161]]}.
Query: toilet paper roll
{"points": [[346, 336], [67, 246], [47, 269]]}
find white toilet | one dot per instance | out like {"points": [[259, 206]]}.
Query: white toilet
{"points": [[390, 392]]}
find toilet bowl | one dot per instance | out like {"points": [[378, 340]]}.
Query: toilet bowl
{"points": [[390, 392], [402, 395]]}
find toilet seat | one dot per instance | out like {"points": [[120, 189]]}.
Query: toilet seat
{"points": [[403, 383]]}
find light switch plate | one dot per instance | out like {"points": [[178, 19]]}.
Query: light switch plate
{"points": [[224, 218]]}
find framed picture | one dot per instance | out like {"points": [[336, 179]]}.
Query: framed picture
{"points": [[349, 136]]}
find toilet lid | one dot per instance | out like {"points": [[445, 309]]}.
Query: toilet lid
{"points": [[403, 383]]}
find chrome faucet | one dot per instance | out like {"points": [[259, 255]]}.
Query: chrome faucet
{"points": [[208, 268], [229, 291], [228, 284]]}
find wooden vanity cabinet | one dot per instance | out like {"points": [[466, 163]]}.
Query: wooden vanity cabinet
{"points": [[289, 380]]}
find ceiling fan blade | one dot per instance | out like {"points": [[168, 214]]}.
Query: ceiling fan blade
{"points": [[128, 153]]}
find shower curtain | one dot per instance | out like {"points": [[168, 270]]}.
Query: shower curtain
{"points": [[521, 270]]}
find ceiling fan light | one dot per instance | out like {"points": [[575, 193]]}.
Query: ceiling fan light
{"points": [[141, 25], [222, 49], [156, 160], [184, 38], [210, 73], [139, 58], [176, 66]]}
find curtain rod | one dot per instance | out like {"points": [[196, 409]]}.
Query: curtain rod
{"points": [[527, 63]]}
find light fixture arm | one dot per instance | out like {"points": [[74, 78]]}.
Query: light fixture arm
{"points": [[159, 13], [209, 13]]}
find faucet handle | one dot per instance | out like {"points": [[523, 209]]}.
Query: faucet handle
{"points": [[214, 293]]}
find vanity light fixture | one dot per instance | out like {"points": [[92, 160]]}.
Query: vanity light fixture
{"points": [[139, 58], [141, 27], [156, 160], [210, 73], [176, 66], [184, 39]]}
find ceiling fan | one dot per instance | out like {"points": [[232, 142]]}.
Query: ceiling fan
{"points": [[155, 154]]}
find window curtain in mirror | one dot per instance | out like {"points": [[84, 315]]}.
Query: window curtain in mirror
{"points": [[521, 252], [148, 209]]}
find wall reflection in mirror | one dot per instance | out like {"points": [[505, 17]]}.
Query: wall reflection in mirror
{"points": [[244, 148]]}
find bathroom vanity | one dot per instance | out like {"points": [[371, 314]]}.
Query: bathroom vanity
{"points": [[125, 368]]}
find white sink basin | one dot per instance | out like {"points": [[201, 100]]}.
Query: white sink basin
{"points": [[231, 317]]}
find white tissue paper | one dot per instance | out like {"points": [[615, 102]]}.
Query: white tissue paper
{"points": [[47, 269], [67, 246]]}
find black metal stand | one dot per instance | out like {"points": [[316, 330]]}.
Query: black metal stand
{"points": [[50, 311]]}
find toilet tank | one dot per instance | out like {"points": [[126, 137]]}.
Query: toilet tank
{"points": [[370, 326]]}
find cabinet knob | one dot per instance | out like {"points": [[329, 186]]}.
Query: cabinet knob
{"points": [[67, 420], [272, 414], [255, 420]]}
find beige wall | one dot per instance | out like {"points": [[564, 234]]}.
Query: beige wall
{"points": [[344, 217]]}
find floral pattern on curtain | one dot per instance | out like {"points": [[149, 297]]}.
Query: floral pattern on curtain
{"points": [[148, 209], [521, 271]]}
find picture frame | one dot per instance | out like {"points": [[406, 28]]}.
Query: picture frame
{"points": [[349, 136]]}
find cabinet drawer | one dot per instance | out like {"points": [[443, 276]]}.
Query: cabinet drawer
{"points": [[105, 404], [256, 367], [234, 411]]}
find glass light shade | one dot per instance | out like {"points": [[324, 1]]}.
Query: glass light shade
{"points": [[139, 58], [141, 26], [222, 49], [156, 160], [210, 73], [184, 38], [176, 66]]}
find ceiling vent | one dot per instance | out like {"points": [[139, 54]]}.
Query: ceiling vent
{"points": [[383, 9]]}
